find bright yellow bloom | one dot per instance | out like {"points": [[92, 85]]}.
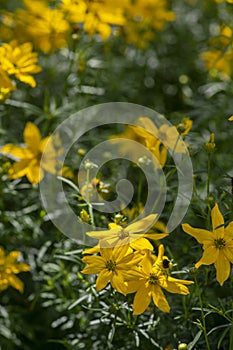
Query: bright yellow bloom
{"points": [[231, 118], [149, 279], [217, 244], [20, 61], [29, 161], [111, 266], [9, 267], [132, 234]]}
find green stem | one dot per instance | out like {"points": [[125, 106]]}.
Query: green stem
{"points": [[202, 313], [208, 191], [90, 209]]}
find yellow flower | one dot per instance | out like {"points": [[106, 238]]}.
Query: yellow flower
{"points": [[230, 118], [9, 267], [6, 85], [29, 161], [20, 61], [149, 279], [217, 245], [185, 126], [111, 266], [132, 234]]}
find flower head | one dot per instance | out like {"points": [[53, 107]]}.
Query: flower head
{"points": [[111, 266], [20, 61], [217, 244], [133, 234], [148, 281], [29, 159], [9, 267]]}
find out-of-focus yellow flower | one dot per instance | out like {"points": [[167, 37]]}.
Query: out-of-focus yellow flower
{"points": [[231, 118], [46, 27], [149, 279], [184, 126], [9, 267], [29, 158], [19, 61], [219, 61], [6, 85], [217, 245]]}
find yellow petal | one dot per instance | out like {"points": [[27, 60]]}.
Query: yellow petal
{"points": [[34, 173], [141, 300], [209, 256], [17, 151], [159, 299], [103, 279], [16, 283], [217, 219], [142, 225], [228, 252], [19, 169], [141, 243], [222, 266], [132, 286], [32, 137], [118, 284], [199, 234], [231, 118]]}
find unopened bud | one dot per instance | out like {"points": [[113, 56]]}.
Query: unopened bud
{"points": [[210, 145], [182, 346], [84, 216]]}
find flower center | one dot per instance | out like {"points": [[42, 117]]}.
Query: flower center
{"points": [[153, 279], [111, 265], [123, 234], [220, 243]]}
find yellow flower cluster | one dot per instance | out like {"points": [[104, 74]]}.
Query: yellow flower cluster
{"points": [[17, 61], [219, 59], [125, 260], [51, 27], [9, 267]]}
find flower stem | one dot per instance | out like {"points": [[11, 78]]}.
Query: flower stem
{"points": [[203, 325]]}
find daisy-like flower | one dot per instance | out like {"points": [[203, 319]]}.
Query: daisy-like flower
{"points": [[20, 61], [9, 267], [132, 234], [149, 279], [217, 245], [29, 160], [111, 266]]}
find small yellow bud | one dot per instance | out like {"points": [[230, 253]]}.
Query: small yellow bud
{"points": [[210, 145], [81, 152], [84, 216], [182, 346]]}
